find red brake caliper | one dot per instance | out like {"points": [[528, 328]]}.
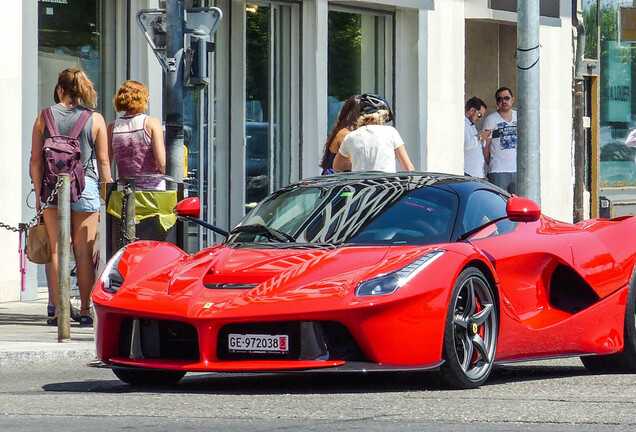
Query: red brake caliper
{"points": [[480, 330]]}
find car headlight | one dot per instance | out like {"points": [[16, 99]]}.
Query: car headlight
{"points": [[388, 283], [112, 279]]}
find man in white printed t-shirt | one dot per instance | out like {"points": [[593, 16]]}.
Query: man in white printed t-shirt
{"points": [[502, 125], [374, 145]]}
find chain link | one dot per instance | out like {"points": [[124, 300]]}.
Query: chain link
{"points": [[25, 226]]}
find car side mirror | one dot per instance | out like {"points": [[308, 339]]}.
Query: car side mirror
{"points": [[522, 209], [188, 207]]}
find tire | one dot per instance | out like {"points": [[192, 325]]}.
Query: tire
{"points": [[471, 332], [625, 361], [147, 377]]}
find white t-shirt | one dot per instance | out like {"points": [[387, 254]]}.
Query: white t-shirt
{"points": [[474, 162], [372, 148], [503, 144]]}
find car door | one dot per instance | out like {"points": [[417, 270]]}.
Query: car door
{"points": [[524, 255]]}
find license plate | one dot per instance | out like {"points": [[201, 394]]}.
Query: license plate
{"points": [[258, 343]]}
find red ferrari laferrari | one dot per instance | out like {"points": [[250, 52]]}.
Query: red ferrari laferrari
{"points": [[362, 271]]}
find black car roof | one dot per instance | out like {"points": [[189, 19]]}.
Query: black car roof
{"points": [[414, 178]]}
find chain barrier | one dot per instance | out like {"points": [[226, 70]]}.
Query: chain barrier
{"points": [[22, 227]]}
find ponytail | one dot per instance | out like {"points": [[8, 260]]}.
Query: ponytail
{"points": [[76, 84]]}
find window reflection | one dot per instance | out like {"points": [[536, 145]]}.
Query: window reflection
{"points": [[270, 62], [617, 115], [68, 36], [357, 57]]}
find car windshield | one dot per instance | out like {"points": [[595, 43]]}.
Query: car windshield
{"points": [[377, 214]]}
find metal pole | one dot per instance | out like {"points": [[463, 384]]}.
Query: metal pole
{"points": [[578, 100], [173, 102], [528, 119], [64, 259], [130, 208]]}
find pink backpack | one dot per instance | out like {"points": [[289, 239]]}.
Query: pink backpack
{"points": [[63, 155]]}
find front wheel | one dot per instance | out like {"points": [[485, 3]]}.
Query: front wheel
{"points": [[148, 377], [470, 335]]}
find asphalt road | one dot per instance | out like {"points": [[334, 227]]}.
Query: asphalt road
{"points": [[555, 395]]}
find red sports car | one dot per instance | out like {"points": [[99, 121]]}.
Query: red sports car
{"points": [[406, 271]]}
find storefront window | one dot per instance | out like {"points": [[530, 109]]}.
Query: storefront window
{"points": [[271, 97], [617, 102], [68, 36], [359, 46]]}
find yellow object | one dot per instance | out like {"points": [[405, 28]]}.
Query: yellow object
{"points": [[185, 161], [147, 204]]}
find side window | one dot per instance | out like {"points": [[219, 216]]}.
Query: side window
{"points": [[482, 207]]}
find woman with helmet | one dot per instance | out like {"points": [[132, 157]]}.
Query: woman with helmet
{"points": [[374, 145]]}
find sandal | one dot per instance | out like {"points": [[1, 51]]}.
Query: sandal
{"points": [[50, 311], [86, 321], [75, 313], [51, 321]]}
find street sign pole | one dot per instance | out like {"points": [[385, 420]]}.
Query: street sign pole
{"points": [[164, 29], [173, 102], [528, 88]]}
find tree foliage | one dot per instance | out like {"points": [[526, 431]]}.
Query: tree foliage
{"points": [[345, 38]]}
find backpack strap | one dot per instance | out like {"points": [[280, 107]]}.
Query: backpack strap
{"points": [[81, 122], [50, 121], [77, 128]]}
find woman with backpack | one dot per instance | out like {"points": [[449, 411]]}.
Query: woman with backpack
{"points": [[56, 127]]}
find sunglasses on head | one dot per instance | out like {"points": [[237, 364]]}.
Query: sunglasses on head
{"points": [[477, 112], [503, 98]]}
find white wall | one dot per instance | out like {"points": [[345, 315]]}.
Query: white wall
{"points": [[557, 174], [410, 83], [12, 163], [445, 104]]}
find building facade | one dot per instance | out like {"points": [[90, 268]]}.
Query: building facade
{"points": [[279, 73], [610, 69]]}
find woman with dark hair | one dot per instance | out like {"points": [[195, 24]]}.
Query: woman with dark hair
{"points": [[374, 145], [73, 90], [347, 118]]}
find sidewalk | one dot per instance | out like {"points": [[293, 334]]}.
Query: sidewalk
{"points": [[25, 337]]}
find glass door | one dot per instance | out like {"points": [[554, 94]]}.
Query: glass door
{"points": [[360, 56], [272, 97], [68, 37]]}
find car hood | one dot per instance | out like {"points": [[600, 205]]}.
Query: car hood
{"points": [[251, 281]]}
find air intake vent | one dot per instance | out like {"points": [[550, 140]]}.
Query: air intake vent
{"points": [[229, 286]]}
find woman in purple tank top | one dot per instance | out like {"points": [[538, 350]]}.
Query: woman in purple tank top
{"points": [[135, 140]]}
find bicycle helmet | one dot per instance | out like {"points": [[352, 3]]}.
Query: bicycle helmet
{"points": [[370, 103]]}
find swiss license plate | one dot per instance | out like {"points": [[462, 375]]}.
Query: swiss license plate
{"points": [[260, 343]]}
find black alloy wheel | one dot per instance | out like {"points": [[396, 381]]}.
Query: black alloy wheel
{"points": [[470, 336]]}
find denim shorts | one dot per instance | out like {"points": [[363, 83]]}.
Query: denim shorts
{"points": [[89, 201]]}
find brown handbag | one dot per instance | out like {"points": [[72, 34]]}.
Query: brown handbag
{"points": [[38, 244]]}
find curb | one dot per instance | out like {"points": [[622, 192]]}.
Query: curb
{"points": [[44, 355]]}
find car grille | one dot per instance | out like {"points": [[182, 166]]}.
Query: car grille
{"points": [[158, 339], [308, 340]]}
